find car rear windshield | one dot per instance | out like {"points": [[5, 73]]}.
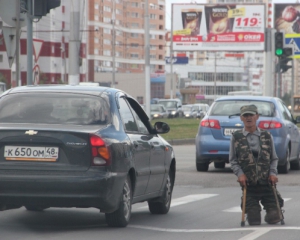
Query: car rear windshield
{"points": [[227, 108], [54, 108]]}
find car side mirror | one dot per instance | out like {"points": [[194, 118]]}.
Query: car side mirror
{"points": [[161, 127]]}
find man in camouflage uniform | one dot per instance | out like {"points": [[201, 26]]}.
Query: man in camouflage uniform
{"points": [[254, 161]]}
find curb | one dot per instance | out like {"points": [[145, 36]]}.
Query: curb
{"points": [[182, 141]]}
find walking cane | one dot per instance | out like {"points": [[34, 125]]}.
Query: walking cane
{"points": [[277, 204], [244, 206]]}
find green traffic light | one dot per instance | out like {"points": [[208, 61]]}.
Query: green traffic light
{"points": [[279, 51]]}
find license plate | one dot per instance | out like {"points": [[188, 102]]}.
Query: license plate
{"points": [[22, 153], [229, 131]]}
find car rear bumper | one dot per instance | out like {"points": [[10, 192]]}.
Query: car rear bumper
{"points": [[209, 149], [89, 189]]}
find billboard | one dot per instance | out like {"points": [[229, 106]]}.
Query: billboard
{"points": [[228, 27], [287, 20]]}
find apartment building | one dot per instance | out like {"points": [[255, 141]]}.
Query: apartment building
{"points": [[111, 40]]}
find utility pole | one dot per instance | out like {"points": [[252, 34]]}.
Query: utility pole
{"points": [[29, 42], [18, 42], [147, 59], [113, 45], [171, 55], [269, 62], [74, 43]]}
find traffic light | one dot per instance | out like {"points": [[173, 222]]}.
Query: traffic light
{"points": [[279, 43], [42, 7], [286, 56]]}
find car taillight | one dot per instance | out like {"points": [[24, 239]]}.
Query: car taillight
{"points": [[100, 152], [210, 123], [269, 124]]}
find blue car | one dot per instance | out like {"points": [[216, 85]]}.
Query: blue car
{"points": [[223, 118]]}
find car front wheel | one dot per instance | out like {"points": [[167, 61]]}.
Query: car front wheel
{"points": [[121, 217], [162, 206]]}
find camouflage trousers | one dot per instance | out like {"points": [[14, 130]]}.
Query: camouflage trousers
{"points": [[261, 194]]}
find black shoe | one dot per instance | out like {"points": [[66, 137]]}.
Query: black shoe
{"points": [[253, 217], [272, 216]]}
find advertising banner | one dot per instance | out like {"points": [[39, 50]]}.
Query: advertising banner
{"points": [[287, 20], [177, 60], [232, 27]]}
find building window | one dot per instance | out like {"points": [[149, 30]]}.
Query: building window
{"points": [[106, 30], [134, 35], [152, 16], [106, 53], [134, 15], [134, 55], [107, 42], [106, 9], [96, 6], [107, 20]]}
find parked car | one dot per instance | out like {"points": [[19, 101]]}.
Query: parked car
{"points": [[190, 111], [174, 107], [202, 109], [82, 146], [223, 118], [158, 111]]}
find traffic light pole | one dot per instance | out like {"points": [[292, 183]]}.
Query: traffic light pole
{"points": [[269, 63]]}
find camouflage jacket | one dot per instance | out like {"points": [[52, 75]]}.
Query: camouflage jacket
{"points": [[256, 170]]}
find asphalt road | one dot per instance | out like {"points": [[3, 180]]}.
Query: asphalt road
{"points": [[204, 206]]}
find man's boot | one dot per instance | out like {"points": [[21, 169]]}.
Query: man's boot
{"points": [[272, 216], [253, 217]]}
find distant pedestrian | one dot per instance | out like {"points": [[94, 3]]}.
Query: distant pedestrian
{"points": [[254, 161]]}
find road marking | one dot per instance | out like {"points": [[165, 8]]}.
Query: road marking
{"points": [[188, 199], [256, 234], [238, 208], [172, 230]]}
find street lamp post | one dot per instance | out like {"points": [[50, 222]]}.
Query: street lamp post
{"points": [[147, 60]]}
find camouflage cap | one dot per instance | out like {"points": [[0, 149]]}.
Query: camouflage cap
{"points": [[251, 109]]}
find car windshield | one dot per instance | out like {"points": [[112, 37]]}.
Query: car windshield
{"points": [[54, 108], [232, 107], [155, 108], [169, 104], [186, 108]]}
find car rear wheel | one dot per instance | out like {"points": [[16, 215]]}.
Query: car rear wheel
{"points": [[295, 165], [202, 167], [163, 205], [219, 164], [286, 166], [121, 217]]}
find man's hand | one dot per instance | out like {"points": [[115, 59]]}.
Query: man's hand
{"points": [[242, 180], [273, 179]]}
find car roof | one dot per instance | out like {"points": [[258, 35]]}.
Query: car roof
{"points": [[252, 98], [173, 99], [95, 90]]}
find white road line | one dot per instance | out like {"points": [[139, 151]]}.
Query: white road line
{"points": [[238, 208], [172, 230], [256, 234], [187, 199]]}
